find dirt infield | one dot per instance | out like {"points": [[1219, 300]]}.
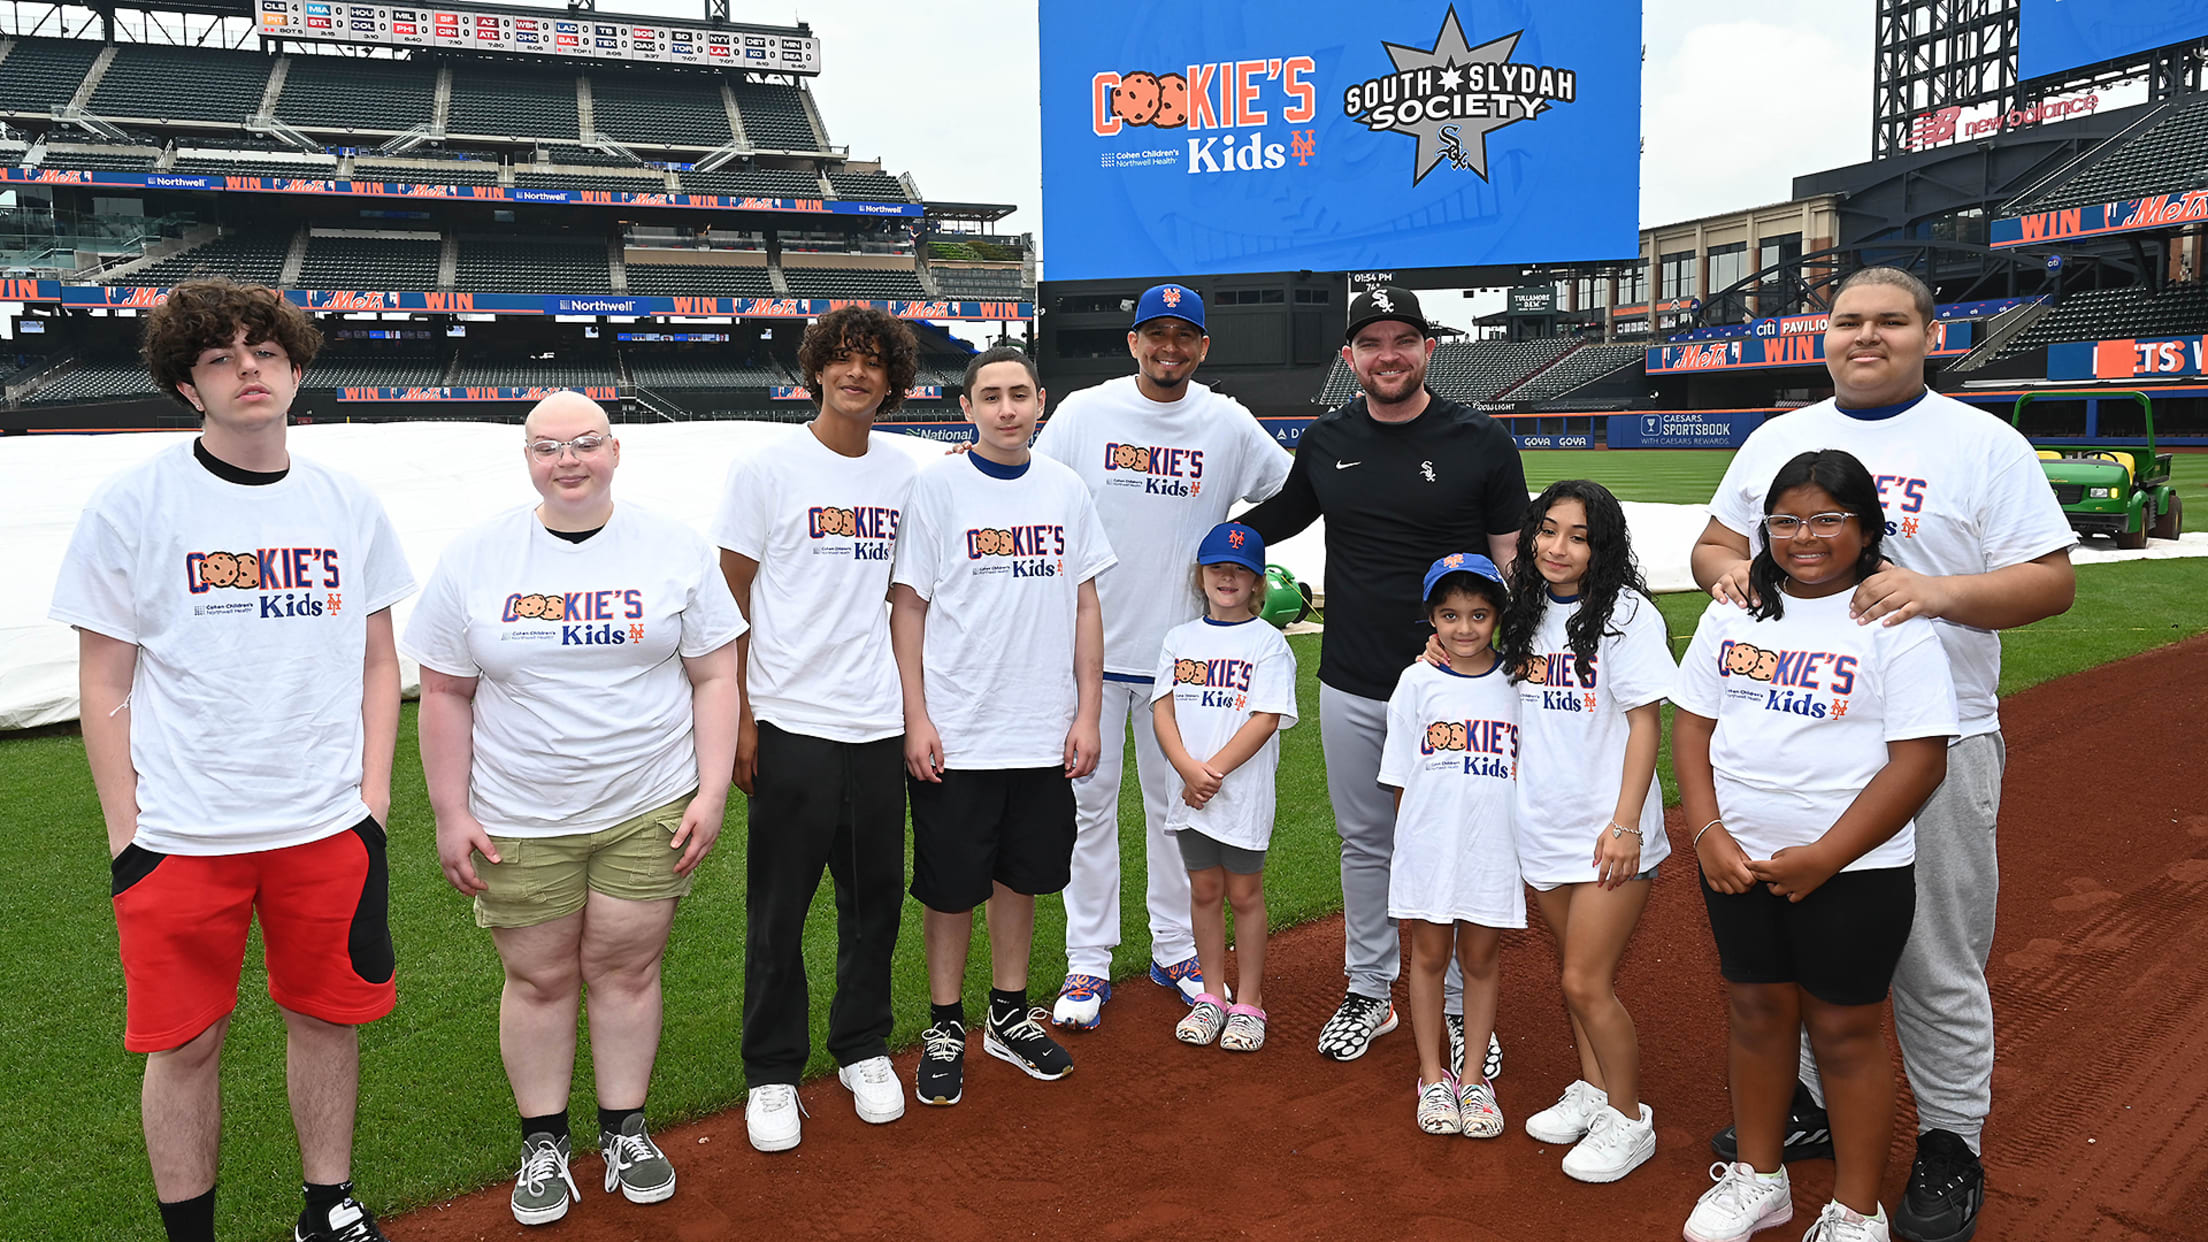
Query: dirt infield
{"points": [[2101, 1095]]}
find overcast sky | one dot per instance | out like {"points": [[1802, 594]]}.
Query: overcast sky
{"points": [[1738, 96]]}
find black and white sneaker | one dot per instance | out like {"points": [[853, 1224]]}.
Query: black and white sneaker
{"points": [[1359, 1021], [1808, 1132], [1947, 1187], [1025, 1043], [346, 1222], [941, 1077], [1491, 1065]]}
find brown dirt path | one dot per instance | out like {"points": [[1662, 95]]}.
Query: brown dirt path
{"points": [[2101, 1094]]}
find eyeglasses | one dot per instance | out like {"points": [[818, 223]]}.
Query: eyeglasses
{"points": [[584, 445], [1822, 525]]}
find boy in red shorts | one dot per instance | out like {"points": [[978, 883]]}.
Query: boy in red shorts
{"points": [[240, 695]]}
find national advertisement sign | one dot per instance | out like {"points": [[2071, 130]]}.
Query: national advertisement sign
{"points": [[1801, 346], [2156, 211], [1683, 429], [1207, 139], [2128, 358], [442, 303], [533, 393]]}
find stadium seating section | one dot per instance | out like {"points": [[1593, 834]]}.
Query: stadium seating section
{"points": [[825, 282], [177, 83], [524, 372], [445, 172], [370, 263], [324, 169], [369, 372], [982, 284], [774, 116], [115, 161], [334, 92], [533, 265], [1463, 370], [2171, 155], [2113, 314], [256, 258], [753, 183], [638, 181], [659, 109], [505, 103], [96, 382], [1580, 367], [873, 187], [688, 279], [39, 73], [684, 371]]}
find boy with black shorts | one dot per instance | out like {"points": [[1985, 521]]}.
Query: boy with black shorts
{"points": [[806, 530], [240, 695], [1000, 647]]}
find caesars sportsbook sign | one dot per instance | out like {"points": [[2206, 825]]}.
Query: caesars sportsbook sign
{"points": [[1191, 139]]}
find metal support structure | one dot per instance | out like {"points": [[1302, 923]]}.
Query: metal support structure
{"points": [[716, 11]]}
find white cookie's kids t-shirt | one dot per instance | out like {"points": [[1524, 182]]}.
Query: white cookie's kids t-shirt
{"points": [[1219, 673], [823, 528], [582, 706], [1452, 748], [1000, 553]]}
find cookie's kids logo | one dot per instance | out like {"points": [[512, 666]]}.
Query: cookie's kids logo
{"points": [[297, 573], [1220, 683], [1489, 747], [1452, 95], [870, 529], [1035, 551], [1798, 679], [1163, 469]]}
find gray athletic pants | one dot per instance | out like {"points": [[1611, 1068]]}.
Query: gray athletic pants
{"points": [[1351, 730], [1943, 1013]]}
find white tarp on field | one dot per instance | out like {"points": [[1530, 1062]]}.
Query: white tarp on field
{"points": [[437, 479]]}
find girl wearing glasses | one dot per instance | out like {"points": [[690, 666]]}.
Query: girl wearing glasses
{"points": [[1805, 743], [578, 727]]}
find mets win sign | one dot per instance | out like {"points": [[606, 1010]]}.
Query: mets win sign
{"points": [[1185, 139]]}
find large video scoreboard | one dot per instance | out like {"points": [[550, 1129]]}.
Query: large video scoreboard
{"points": [[589, 35]]}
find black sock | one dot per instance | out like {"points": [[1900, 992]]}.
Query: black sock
{"points": [[190, 1220], [320, 1199], [1005, 1008], [554, 1124], [953, 1012], [610, 1120]]}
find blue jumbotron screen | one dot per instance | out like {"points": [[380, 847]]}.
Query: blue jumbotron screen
{"points": [[2054, 35]]}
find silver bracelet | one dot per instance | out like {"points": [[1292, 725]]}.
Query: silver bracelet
{"points": [[1618, 830], [1705, 828]]}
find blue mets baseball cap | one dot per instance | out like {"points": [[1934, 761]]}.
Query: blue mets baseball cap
{"points": [[1178, 301], [1232, 543], [1460, 563]]}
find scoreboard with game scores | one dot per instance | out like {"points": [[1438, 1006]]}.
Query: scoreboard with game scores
{"points": [[587, 34]]}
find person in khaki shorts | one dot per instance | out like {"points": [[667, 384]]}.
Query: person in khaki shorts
{"points": [[578, 725]]}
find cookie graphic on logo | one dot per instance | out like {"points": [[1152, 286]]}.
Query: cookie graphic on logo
{"points": [[218, 569], [1135, 100], [996, 542], [1172, 102], [1142, 460], [1123, 456], [1188, 671], [249, 571], [1437, 735], [1458, 739], [1767, 663], [555, 608], [1537, 671], [1740, 659], [529, 606]]}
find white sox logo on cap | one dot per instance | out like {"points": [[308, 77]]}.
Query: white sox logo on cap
{"points": [[1381, 301]]}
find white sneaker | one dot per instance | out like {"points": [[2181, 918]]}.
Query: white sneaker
{"points": [[1840, 1223], [771, 1114], [1742, 1202], [874, 1089], [1613, 1147], [1566, 1120]]}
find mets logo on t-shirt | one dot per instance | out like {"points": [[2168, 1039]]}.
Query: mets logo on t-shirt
{"points": [[1221, 683], [1563, 688], [1033, 551], [1159, 470], [871, 531], [1796, 678], [287, 582], [1490, 747], [608, 618], [1903, 499]]}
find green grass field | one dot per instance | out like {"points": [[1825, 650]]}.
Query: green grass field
{"points": [[436, 1115]]}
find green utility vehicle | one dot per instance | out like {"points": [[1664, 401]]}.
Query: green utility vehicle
{"points": [[2123, 492]]}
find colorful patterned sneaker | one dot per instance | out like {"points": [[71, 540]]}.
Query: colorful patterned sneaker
{"points": [[1566, 1121], [1245, 1029], [1025, 1043], [1492, 1066], [1203, 1022], [1742, 1202], [1355, 1024], [1483, 1117], [1840, 1223], [773, 1116], [941, 1075], [1947, 1187], [347, 1222], [1081, 1002], [1184, 976], [1437, 1108], [1808, 1133], [543, 1188], [875, 1091], [635, 1163], [1613, 1147]]}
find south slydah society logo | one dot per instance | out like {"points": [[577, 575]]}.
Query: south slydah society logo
{"points": [[1451, 96]]}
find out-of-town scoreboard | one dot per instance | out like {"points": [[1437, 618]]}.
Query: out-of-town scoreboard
{"points": [[537, 32]]}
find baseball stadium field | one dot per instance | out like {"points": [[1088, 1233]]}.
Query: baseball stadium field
{"points": [[2100, 852]]}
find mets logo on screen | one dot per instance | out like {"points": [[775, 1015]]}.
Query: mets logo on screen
{"points": [[1451, 96]]}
